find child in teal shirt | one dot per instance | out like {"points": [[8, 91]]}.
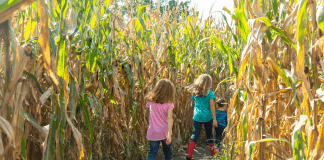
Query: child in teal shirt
{"points": [[204, 112]]}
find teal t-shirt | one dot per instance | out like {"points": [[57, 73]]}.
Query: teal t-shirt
{"points": [[202, 112]]}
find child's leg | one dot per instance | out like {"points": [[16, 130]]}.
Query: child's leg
{"points": [[223, 134], [209, 133], [154, 148], [193, 139], [167, 150], [196, 132], [219, 134]]}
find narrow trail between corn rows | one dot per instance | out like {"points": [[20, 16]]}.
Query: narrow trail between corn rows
{"points": [[200, 153]]}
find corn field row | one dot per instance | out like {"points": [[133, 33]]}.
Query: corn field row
{"points": [[74, 73]]}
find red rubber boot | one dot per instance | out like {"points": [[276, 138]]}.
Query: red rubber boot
{"points": [[212, 149], [191, 147]]}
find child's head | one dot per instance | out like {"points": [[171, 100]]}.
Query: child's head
{"points": [[221, 103], [163, 92], [201, 86]]}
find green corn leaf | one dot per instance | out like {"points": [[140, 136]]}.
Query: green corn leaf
{"points": [[230, 62], [63, 118], [280, 32], [242, 24], [135, 104], [140, 10], [193, 30], [107, 3], [35, 80], [93, 21], [138, 25], [275, 7], [223, 81], [234, 35], [132, 80], [208, 62], [50, 148], [99, 108], [142, 23], [61, 66], [281, 72], [29, 30], [219, 44], [301, 21], [122, 36], [86, 115], [73, 96], [92, 107], [252, 148], [64, 6], [294, 91], [244, 127], [112, 100], [297, 139], [91, 57], [32, 121], [271, 139], [23, 147], [57, 12]]}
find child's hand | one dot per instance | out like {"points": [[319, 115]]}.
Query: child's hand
{"points": [[215, 123], [169, 139]]}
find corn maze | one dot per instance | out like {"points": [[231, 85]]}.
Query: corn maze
{"points": [[74, 75]]}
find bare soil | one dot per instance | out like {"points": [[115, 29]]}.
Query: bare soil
{"points": [[202, 153]]}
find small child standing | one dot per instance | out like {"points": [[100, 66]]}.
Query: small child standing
{"points": [[159, 112], [204, 112], [221, 117]]}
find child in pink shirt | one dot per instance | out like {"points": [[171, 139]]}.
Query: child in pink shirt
{"points": [[159, 110]]}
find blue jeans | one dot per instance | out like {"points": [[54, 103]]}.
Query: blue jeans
{"points": [[219, 134], [154, 148], [208, 129]]}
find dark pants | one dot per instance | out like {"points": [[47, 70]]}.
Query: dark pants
{"points": [[219, 135], [208, 129], [154, 148]]}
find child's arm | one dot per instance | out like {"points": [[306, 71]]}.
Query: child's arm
{"points": [[193, 103], [147, 114], [213, 111], [170, 125], [226, 119]]}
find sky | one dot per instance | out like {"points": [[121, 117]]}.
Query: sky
{"points": [[203, 6]]}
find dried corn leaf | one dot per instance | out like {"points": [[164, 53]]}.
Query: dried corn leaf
{"points": [[7, 129], [44, 96], [21, 60], [44, 41]]}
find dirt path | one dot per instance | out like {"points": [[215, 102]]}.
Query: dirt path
{"points": [[202, 153]]}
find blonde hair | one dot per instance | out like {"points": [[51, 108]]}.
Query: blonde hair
{"points": [[201, 86], [163, 92]]}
